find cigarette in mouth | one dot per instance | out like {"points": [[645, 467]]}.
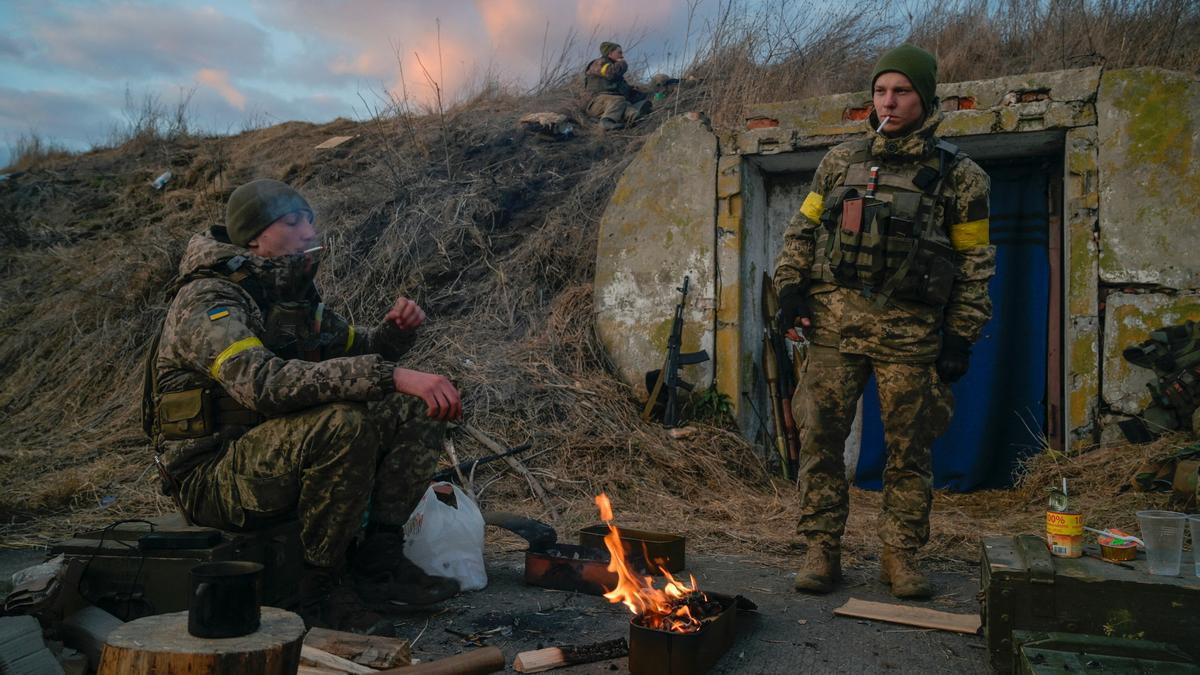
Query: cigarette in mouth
{"points": [[313, 249], [882, 124]]}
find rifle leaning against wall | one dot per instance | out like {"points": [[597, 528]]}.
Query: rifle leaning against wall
{"points": [[668, 378], [779, 369]]}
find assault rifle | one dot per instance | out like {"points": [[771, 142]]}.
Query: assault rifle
{"points": [[469, 465], [667, 378], [779, 369]]}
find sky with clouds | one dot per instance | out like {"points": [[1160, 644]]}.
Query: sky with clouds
{"points": [[68, 68]]}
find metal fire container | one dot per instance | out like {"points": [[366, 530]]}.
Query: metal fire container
{"points": [[567, 567], [649, 549], [659, 652]]}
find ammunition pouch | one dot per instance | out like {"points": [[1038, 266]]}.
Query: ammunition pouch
{"points": [[199, 412], [878, 247]]}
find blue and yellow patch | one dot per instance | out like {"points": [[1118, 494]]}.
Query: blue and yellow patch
{"points": [[217, 313]]}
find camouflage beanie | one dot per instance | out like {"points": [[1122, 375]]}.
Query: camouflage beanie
{"points": [[257, 204], [606, 47], [918, 65]]}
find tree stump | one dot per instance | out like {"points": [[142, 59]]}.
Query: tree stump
{"points": [[162, 644]]}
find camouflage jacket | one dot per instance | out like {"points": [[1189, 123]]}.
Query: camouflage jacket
{"points": [[605, 76], [216, 337], [901, 331]]}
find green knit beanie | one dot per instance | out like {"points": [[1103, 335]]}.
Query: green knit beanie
{"points": [[606, 47], [257, 204], [918, 65]]}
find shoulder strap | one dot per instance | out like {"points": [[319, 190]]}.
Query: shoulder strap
{"points": [[150, 382]]}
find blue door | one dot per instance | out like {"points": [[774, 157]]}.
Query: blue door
{"points": [[999, 414]]}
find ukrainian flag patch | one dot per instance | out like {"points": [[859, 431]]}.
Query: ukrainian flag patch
{"points": [[217, 313]]}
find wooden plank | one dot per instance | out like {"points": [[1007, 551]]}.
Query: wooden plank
{"points": [[476, 662], [333, 142], [324, 659], [366, 650], [20, 636], [921, 617]]}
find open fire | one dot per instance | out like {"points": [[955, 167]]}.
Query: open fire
{"points": [[678, 607]]}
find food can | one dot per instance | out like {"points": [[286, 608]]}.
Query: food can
{"points": [[1064, 533]]}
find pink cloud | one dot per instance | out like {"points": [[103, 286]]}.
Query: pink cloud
{"points": [[218, 80]]}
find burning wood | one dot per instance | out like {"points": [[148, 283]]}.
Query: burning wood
{"points": [[678, 607]]}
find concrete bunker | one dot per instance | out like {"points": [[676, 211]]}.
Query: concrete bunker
{"points": [[1103, 167]]}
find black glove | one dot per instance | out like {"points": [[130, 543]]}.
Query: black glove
{"points": [[793, 306], [954, 358]]}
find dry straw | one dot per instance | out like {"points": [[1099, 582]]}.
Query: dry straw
{"points": [[493, 231]]}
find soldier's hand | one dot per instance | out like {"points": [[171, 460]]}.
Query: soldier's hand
{"points": [[405, 314], [954, 358], [794, 311], [436, 391]]}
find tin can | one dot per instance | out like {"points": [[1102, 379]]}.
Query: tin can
{"points": [[1064, 533]]}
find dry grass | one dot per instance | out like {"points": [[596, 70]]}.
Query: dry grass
{"points": [[493, 231]]}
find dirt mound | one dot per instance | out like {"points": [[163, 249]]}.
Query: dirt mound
{"points": [[492, 229]]}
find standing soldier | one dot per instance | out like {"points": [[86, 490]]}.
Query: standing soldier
{"points": [[885, 268], [264, 405], [615, 102]]}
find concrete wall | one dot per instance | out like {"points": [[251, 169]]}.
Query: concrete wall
{"points": [[657, 228], [1127, 141]]}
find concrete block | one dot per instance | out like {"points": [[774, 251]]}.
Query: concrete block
{"points": [[659, 226], [1149, 160], [1129, 319]]}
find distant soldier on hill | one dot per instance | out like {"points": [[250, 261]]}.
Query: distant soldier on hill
{"points": [[612, 99], [885, 268], [266, 405]]}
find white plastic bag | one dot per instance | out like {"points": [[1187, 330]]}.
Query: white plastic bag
{"points": [[445, 540]]}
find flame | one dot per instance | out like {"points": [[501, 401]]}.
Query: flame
{"points": [[662, 609]]}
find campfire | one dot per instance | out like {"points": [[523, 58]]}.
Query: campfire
{"points": [[678, 607]]}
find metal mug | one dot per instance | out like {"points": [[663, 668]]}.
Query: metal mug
{"points": [[226, 599]]}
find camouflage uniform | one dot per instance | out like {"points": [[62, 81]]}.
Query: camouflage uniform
{"points": [[853, 336], [612, 99], [302, 416]]}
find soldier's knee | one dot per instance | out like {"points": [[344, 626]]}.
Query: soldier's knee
{"points": [[347, 430]]}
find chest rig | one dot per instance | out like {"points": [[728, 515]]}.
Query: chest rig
{"points": [[292, 330], [881, 232]]}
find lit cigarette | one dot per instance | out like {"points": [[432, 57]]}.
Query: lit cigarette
{"points": [[882, 124], [313, 249]]}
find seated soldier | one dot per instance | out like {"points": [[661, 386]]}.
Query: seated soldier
{"points": [[612, 99], [266, 405]]}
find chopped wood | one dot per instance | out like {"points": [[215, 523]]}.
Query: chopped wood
{"points": [[475, 662], [910, 616], [324, 659], [679, 433], [333, 142], [162, 644], [366, 650], [568, 655], [314, 670]]}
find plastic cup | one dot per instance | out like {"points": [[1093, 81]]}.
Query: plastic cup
{"points": [[1162, 531], [1194, 524]]}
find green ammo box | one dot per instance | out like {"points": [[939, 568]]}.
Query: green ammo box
{"points": [[1057, 653], [1025, 590], [130, 575]]}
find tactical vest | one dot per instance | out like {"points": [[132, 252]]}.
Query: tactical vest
{"points": [[292, 331], [1173, 353], [887, 244], [595, 84]]}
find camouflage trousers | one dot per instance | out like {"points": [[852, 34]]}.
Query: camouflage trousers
{"points": [[617, 109], [916, 408], [326, 466]]}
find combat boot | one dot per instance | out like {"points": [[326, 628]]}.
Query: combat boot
{"points": [[898, 567], [324, 601], [822, 568], [382, 571]]}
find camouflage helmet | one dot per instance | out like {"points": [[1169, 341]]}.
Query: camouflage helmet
{"points": [[257, 204]]}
